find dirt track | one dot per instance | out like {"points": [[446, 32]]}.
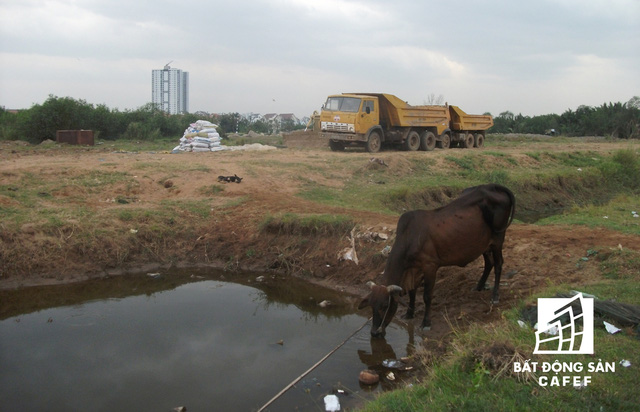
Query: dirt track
{"points": [[534, 255]]}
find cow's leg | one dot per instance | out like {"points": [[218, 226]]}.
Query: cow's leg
{"points": [[412, 305], [488, 265], [497, 260], [429, 282]]}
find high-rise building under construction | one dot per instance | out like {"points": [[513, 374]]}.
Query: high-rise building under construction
{"points": [[170, 90]]}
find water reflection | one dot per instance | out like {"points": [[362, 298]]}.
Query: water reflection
{"points": [[206, 344]]}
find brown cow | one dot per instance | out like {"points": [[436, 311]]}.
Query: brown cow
{"points": [[474, 224]]}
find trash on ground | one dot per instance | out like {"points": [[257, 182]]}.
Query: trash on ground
{"points": [[369, 377], [153, 275], [553, 331], [611, 328], [391, 376], [331, 403], [324, 303], [522, 324], [350, 252], [625, 363], [393, 364], [584, 295]]}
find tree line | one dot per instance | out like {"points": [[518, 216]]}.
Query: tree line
{"points": [[41, 121], [620, 120]]}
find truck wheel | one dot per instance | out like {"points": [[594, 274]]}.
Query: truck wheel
{"points": [[412, 142], [336, 146], [445, 142], [374, 143], [427, 141], [479, 140], [468, 141]]}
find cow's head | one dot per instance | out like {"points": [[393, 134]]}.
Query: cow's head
{"points": [[383, 304]]}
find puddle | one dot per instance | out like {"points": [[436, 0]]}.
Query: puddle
{"points": [[190, 338]]}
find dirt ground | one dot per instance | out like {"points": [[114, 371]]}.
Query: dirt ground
{"points": [[535, 256]]}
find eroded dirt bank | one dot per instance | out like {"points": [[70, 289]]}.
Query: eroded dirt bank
{"points": [[158, 210]]}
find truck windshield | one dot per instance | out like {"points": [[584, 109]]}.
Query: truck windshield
{"points": [[342, 104]]}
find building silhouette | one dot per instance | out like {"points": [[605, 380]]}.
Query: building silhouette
{"points": [[170, 90]]}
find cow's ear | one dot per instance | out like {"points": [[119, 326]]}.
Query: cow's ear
{"points": [[364, 303]]}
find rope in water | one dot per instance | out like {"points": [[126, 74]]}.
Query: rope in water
{"points": [[296, 380]]}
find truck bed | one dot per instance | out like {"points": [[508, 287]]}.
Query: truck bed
{"points": [[463, 121]]}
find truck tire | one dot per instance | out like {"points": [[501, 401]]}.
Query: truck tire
{"points": [[412, 142], [445, 142], [468, 142], [427, 141], [336, 146], [479, 141], [374, 143]]}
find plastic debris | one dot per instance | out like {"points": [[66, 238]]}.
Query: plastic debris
{"points": [[584, 295], [625, 363], [331, 403], [553, 331], [180, 409], [391, 376], [611, 328], [324, 303], [350, 252], [153, 275], [522, 324], [393, 364]]}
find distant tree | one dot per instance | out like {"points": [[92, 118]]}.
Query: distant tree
{"points": [[432, 99]]}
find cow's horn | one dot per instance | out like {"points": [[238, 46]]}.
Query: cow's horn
{"points": [[371, 284], [394, 289]]}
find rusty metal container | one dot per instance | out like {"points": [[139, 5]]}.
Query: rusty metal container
{"points": [[81, 137]]}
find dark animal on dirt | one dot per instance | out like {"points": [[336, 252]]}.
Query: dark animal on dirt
{"points": [[230, 179], [474, 224]]}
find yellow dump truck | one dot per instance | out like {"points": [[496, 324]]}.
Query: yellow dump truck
{"points": [[374, 119]]}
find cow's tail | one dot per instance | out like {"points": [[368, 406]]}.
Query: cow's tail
{"points": [[512, 212]]}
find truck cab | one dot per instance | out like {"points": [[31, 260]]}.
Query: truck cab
{"points": [[348, 118]]}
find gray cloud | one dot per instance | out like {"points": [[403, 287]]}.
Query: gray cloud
{"points": [[532, 57]]}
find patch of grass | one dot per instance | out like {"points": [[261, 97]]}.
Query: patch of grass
{"points": [[468, 163], [172, 168], [577, 159], [295, 224], [501, 155], [615, 214], [622, 169], [196, 208], [210, 190], [534, 155]]}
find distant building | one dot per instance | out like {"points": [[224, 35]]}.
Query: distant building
{"points": [[170, 90]]}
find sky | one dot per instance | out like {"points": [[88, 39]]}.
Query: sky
{"points": [[286, 56]]}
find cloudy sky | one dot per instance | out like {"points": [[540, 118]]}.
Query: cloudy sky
{"points": [[531, 57]]}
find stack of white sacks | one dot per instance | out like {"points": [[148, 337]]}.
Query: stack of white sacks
{"points": [[200, 136]]}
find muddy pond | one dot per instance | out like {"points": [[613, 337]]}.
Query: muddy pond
{"points": [[194, 338]]}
